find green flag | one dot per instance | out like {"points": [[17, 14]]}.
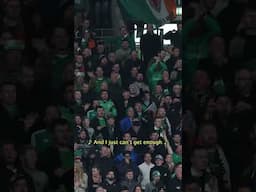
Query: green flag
{"points": [[148, 11]]}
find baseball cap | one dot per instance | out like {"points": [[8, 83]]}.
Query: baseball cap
{"points": [[156, 174], [159, 157]]}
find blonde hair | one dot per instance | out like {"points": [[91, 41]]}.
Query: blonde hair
{"points": [[78, 171]]}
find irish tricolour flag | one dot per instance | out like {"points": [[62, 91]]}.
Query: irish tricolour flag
{"points": [[148, 11]]}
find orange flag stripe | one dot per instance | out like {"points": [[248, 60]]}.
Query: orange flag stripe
{"points": [[171, 7]]}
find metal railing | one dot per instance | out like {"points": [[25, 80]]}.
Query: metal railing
{"points": [[104, 32]]}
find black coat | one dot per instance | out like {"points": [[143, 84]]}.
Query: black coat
{"points": [[111, 187], [165, 174], [174, 185], [176, 38], [105, 164], [103, 131], [150, 45]]}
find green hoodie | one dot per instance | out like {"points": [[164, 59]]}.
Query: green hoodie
{"points": [[109, 107], [154, 73]]}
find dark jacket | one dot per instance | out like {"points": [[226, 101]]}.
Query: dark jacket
{"points": [[150, 45], [163, 171], [103, 131], [174, 185], [130, 184], [123, 167], [113, 187], [105, 164]]}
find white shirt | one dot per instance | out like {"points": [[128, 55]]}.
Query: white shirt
{"points": [[145, 171]]}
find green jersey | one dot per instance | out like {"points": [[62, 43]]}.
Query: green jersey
{"points": [[98, 83], [91, 114], [176, 158], [109, 107], [154, 73]]}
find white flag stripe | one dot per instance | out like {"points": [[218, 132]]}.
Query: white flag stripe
{"points": [[163, 11]]}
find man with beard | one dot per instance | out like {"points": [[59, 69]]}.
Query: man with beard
{"points": [[110, 182], [161, 113]]}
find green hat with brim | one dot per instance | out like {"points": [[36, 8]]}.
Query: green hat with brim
{"points": [[156, 174]]}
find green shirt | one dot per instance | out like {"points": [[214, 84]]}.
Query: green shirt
{"points": [[108, 107], [98, 83], [176, 158], [154, 74], [102, 122], [91, 114], [78, 153]]}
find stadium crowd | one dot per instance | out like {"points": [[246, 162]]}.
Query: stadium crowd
{"points": [[219, 95], [128, 116]]}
